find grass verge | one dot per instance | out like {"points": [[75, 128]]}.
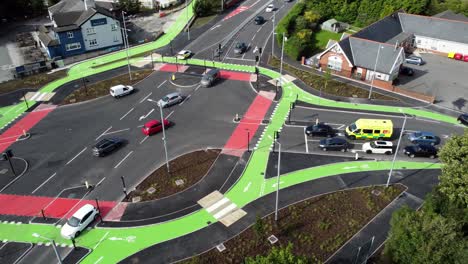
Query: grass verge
{"points": [[33, 81], [201, 21], [333, 88], [322, 37], [102, 88]]}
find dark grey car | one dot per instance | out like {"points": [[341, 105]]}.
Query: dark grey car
{"points": [[106, 146], [210, 77], [240, 48]]}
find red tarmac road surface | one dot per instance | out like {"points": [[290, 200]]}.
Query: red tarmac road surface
{"points": [[230, 75]]}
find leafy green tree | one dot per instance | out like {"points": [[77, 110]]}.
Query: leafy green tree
{"points": [[203, 8], [300, 24], [130, 6], [282, 255]]}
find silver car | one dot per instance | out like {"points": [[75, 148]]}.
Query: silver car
{"points": [[170, 100]]}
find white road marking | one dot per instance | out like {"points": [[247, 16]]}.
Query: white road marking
{"points": [[352, 112], [162, 84], [313, 140], [103, 133], [127, 113], [118, 164], [99, 183], [275, 184], [76, 156], [146, 97], [252, 39], [145, 116], [35, 190], [145, 138], [247, 187], [306, 141], [169, 114], [427, 120], [217, 26], [186, 98], [102, 238], [241, 59], [117, 131], [248, 46]]}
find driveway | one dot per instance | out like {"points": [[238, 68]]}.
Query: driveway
{"points": [[442, 77]]}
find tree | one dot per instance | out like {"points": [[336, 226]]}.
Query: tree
{"points": [[130, 6], [423, 237], [278, 255], [203, 8], [454, 177]]}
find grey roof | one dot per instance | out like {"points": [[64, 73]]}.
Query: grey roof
{"points": [[46, 37], [399, 38], [437, 28], [449, 14], [365, 54], [346, 47], [330, 22], [382, 30], [77, 5]]}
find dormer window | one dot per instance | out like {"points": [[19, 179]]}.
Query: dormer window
{"points": [[70, 34]]}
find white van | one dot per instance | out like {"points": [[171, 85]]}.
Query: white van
{"points": [[379, 147], [121, 90]]}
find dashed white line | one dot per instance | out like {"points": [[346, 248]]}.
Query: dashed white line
{"points": [[254, 36], [76, 156], [117, 131], [162, 84], [99, 183], [103, 133], [145, 138], [118, 164], [186, 98], [169, 114], [100, 241], [146, 97], [127, 113], [35, 190], [306, 141]]}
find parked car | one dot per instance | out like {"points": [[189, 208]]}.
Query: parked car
{"points": [[170, 99], [79, 221], [463, 119], [210, 77], [421, 150], [106, 146], [379, 147], [240, 48], [414, 60], [319, 130], [334, 144], [270, 8], [184, 54], [154, 126], [121, 90], [259, 20], [406, 71], [423, 137]]}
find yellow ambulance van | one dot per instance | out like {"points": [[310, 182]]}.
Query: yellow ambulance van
{"points": [[370, 129]]}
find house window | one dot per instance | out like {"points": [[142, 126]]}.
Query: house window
{"points": [[93, 42], [70, 34], [335, 63], [114, 27], [73, 46], [90, 31]]}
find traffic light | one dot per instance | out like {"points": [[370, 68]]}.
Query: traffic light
{"points": [[3, 157], [277, 135], [219, 46], [256, 58], [256, 70], [9, 153], [260, 50], [293, 105]]}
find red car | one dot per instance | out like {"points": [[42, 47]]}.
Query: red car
{"points": [[458, 56], [465, 58], [154, 126]]}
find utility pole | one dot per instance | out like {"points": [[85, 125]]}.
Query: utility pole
{"points": [[126, 38], [396, 150], [375, 68]]}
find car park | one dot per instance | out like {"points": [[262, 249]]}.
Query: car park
{"points": [[79, 221], [270, 8], [463, 119], [121, 90], [240, 48], [420, 150], [415, 60], [210, 77], [154, 126], [106, 146], [334, 143], [184, 54], [170, 100], [319, 129], [378, 147], [259, 20], [406, 71], [423, 137]]}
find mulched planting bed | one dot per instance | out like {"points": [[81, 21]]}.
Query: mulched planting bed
{"points": [[316, 227], [35, 81], [189, 169]]}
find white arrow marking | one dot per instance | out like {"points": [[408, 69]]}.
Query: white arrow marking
{"points": [[247, 187], [129, 239], [145, 116]]}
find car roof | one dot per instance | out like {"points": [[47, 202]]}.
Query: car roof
{"points": [[384, 143], [172, 94], [83, 210], [336, 139], [425, 133], [120, 86], [183, 51], [152, 122]]}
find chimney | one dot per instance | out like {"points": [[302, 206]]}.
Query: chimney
{"points": [[89, 4]]}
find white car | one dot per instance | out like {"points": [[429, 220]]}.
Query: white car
{"points": [[121, 90], [270, 8], [379, 147], [79, 221], [184, 54]]}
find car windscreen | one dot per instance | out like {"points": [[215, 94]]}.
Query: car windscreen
{"points": [[165, 98], [372, 144], [73, 221], [238, 45], [352, 127]]}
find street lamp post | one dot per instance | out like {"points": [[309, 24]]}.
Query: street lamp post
{"points": [[25, 101], [396, 150], [53, 245], [277, 178], [127, 44], [188, 25], [164, 133], [273, 35], [375, 68]]}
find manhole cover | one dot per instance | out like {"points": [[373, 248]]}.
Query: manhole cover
{"points": [[272, 239], [179, 182], [136, 199], [3, 171], [151, 190], [221, 247]]}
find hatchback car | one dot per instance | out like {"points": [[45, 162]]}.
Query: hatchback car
{"points": [[406, 71], [463, 119], [422, 137], [379, 147], [154, 126], [170, 99], [334, 144], [79, 221], [106, 146], [259, 20], [319, 130], [240, 48], [270, 8], [414, 60], [184, 54], [210, 77], [420, 150]]}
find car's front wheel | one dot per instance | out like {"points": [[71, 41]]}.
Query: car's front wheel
{"points": [[411, 155], [432, 156], [324, 149], [369, 151], [388, 153]]}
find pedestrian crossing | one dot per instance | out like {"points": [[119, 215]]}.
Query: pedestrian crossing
{"points": [[221, 208], [38, 96]]}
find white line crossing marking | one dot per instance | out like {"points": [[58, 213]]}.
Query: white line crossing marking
{"points": [[35, 190], [225, 211], [102, 238], [144, 139], [118, 164], [217, 204], [186, 98], [162, 84], [103, 133], [76, 156], [127, 113], [169, 114], [146, 97]]}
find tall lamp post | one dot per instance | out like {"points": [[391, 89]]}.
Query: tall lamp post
{"points": [[186, 15], [375, 68], [273, 35], [53, 245], [277, 177], [282, 53], [164, 133], [397, 148], [126, 44]]}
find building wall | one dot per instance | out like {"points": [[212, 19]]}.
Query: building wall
{"points": [[98, 32], [65, 40], [441, 46], [346, 68]]}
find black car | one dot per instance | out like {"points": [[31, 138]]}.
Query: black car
{"points": [[463, 119], [334, 144], [319, 130], [259, 20], [106, 146], [406, 71], [421, 151], [240, 48]]}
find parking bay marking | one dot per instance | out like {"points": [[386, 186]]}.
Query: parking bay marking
{"points": [[118, 164], [127, 113], [170, 114], [76, 156]]}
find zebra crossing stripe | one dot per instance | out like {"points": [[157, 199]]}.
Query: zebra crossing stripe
{"points": [[217, 205], [225, 211]]}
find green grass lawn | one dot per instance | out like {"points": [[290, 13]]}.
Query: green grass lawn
{"points": [[322, 37], [201, 21]]}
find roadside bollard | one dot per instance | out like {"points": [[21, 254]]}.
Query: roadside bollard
{"points": [[357, 156], [316, 121]]}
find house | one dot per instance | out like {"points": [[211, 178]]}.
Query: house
{"points": [[379, 49], [334, 26], [79, 26]]}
